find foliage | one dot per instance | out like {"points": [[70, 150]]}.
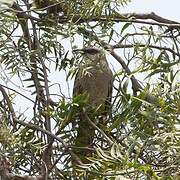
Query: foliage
{"points": [[142, 137]]}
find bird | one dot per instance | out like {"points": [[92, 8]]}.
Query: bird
{"points": [[95, 79]]}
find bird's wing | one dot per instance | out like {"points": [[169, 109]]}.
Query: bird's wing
{"points": [[109, 96], [77, 89]]}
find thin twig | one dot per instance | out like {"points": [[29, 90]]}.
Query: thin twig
{"points": [[17, 93]]}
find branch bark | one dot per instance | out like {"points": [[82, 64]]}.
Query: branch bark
{"points": [[5, 172], [126, 17], [144, 45], [35, 127], [9, 104]]}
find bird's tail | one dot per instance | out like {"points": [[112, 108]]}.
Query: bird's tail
{"points": [[84, 139]]}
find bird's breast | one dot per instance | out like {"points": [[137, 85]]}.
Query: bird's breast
{"points": [[95, 82]]}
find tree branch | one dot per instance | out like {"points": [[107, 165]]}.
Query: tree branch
{"points": [[126, 17], [35, 127], [144, 45], [17, 93], [5, 172], [151, 15], [9, 104]]}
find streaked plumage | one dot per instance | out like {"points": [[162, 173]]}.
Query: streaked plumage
{"points": [[96, 79]]}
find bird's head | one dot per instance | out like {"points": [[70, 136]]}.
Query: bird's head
{"points": [[90, 52]]}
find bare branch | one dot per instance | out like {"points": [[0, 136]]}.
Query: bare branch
{"points": [[144, 45], [17, 93], [129, 17], [151, 15], [126, 17]]}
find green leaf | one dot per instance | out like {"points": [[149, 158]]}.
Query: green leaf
{"points": [[125, 85], [125, 27], [155, 71]]}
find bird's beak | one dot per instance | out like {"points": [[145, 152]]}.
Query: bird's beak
{"points": [[78, 51]]}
